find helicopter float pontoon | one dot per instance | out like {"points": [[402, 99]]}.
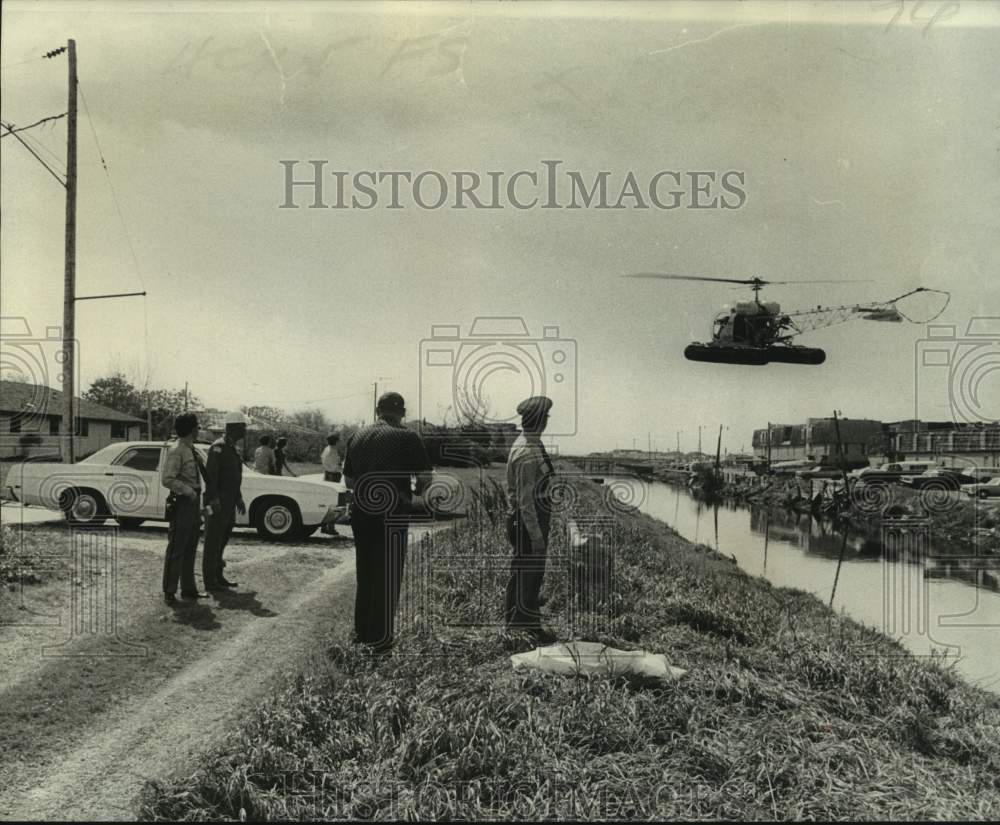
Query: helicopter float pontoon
{"points": [[758, 333]]}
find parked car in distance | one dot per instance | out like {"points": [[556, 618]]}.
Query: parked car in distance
{"points": [[122, 481], [820, 471], [983, 489], [892, 472], [940, 478]]}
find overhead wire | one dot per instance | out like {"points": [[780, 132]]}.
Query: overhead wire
{"points": [[21, 62], [22, 141], [33, 125], [55, 159], [121, 218]]}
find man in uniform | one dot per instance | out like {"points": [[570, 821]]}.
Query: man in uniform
{"points": [[224, 475], [380, 460], [181, 475], [529, 474]]}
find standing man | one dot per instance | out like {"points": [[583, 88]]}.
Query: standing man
{"points": [[279, 458], [263, 457], [529, 474], [331, 458], [181, 475], [224, 475], [380, 460]]}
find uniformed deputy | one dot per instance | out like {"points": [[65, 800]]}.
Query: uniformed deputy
{"points": [[529, 474], [224, 476], [379, 462], [181, 474]]}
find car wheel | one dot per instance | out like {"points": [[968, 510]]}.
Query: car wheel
{"points": [[83, 506], [983, 494], [128, 523], [278, 519]]}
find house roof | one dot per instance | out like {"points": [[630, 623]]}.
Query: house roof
{"points": [[18, 397]]}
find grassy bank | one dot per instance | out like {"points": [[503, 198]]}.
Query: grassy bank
{"points": [[787, 711]]}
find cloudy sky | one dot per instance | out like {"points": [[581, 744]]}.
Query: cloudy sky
{"points": [[867, 140]]}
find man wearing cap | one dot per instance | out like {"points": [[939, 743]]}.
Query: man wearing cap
{"points": [[181, 475], [529, 474], [224, 475], [379, 462]]}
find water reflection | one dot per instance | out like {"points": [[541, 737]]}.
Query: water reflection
{"points": [[896, 581]]}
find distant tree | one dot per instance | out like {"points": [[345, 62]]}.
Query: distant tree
{"points": [[312, 420], [273, 415], [117, 392]]}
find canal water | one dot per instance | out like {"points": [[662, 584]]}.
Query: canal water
{"points": [[897, 581]]}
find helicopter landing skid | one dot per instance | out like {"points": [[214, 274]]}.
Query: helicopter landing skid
{"points": [[753, 356]]}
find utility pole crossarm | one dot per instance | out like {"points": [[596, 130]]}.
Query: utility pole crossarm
{"points": [[113, 295]]}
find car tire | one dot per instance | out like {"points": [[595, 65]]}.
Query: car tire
{"points": [[83, 506], [277, 519], [983, 494], [128, 522], [306, 531]]}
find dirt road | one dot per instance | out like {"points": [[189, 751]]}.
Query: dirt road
{"points": [[94, 701]]}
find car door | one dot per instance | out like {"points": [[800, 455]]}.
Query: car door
{"points": [[136, 490]]}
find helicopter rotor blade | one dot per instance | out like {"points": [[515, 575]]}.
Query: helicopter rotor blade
{"points": [[824, 281], [670, 277]]}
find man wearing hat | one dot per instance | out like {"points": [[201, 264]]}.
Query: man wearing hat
{"points": [[529, 474], [224, 475], [377, 468]]}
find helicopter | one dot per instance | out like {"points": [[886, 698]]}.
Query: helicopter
{"points": [[758, 333]]}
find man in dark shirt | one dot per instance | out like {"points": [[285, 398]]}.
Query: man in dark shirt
{"points": [[280, 463], [379, 463], [224, 475]]}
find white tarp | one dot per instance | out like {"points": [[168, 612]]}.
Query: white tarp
{"points": [[571, 658]]}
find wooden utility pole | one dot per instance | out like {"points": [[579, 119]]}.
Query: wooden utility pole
{"points": [[375, 402], [769, 446], [718, 450], [69, 282], [840, 453], [185, 396]]}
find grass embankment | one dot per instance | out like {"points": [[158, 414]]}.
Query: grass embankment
{"points": [[787, 711]]}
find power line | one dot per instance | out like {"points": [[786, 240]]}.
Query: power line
{"points": [[37, 157], [121, 218], [22, 62], [33, 125], [36, 143], [111, 185]]}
